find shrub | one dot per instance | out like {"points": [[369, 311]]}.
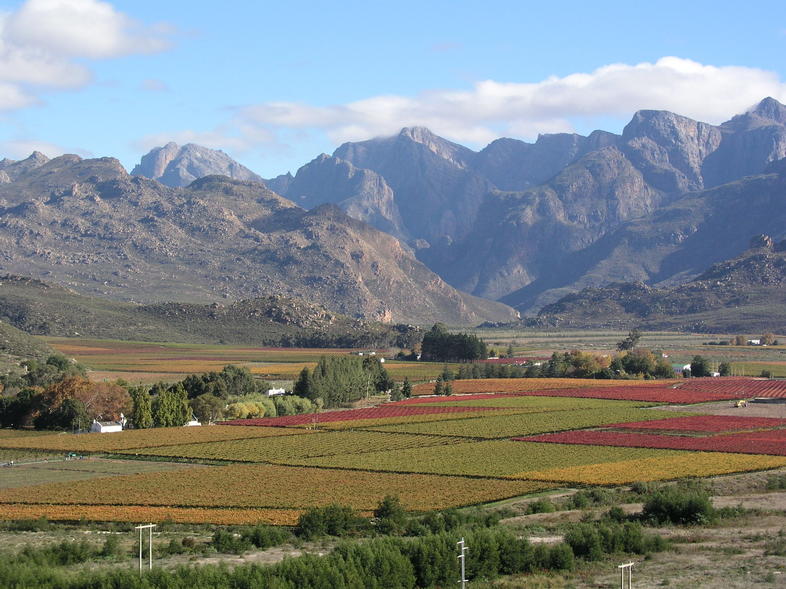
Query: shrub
{"points": [[331, 520], [541, 506], [390, 516], [679, 504]]}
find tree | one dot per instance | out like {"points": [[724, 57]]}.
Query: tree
{"points": [[395, 393], [208, 408], [509, 353], [768, 339], [304, 386], [630, 341], [390, 515], [170, 405], [104, 400], [724, 369], [69, 415], [447, 388], [406, 388], [699, 367], [439, 386], [440, 346], [739, 340], [141, 408]]}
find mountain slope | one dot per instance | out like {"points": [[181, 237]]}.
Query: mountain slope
{"points": [[743, 294], [17, 346], [673, 244], [556, 235], [176, 166], [43, 309], [89, 225]]}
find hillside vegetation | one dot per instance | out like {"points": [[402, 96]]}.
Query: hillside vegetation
{"points": [[42, 309]]}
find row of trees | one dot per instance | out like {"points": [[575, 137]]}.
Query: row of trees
{"points": [[54, 394], [441, 346], [638, 363], [336, 380]]}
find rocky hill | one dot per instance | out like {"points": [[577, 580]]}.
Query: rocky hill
{"points": [[176, 166], [44, 309], [88, 225], [742, 294]]}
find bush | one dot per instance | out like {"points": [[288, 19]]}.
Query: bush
{"points": [[229, 543], [679, 504], [541, 506], [331, 520], [390, 516], [776, 482]]}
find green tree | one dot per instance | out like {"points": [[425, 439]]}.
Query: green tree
{"points": [[724, 369], [208, 408], [141, 407], [69, 415], [170, 405], [439, 386], [395, 393], [304, 385], [406, 388], [699, 367], [390, 515]]}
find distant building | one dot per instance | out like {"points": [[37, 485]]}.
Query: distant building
{"points": [[754, 342], [106, 427], [275, 392]]}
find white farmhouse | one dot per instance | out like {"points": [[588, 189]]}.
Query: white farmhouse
{"points": [[106, 427]]}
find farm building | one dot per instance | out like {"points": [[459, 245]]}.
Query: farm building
{"points": [[106, 427]]}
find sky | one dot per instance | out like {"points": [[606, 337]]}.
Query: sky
{"points": [[274, 84]]}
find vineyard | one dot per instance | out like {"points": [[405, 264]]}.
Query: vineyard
{"points": [[502, 439]]}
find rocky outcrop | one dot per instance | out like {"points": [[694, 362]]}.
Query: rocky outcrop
{"points": [[177, 166], [743, 294], [362, 194]]}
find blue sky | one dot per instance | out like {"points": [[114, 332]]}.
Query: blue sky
{"points": [[274, 84]]}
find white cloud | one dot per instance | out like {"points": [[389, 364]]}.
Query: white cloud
{"points": [[81, 28], [491, 108], [44, 43]]}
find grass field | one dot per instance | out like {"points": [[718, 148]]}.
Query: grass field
{"points": [[145, 362], [24, 475]]}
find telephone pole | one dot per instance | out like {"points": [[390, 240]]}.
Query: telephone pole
{"points": [[463, 557], [148, 527]]}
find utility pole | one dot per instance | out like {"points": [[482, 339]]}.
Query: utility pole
{"points": [[626, 567], [463, 557], [148, 527]]}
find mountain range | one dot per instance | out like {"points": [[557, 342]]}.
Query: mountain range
{"points": [[90, 226], [525, 223], [399, 228]]}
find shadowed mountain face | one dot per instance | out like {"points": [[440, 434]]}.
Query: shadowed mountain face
{"points": [[88, 225], [176, 166], [512, 220], [743, 294]]}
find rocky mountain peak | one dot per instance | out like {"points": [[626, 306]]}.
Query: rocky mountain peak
{"points": [[178, 166], [454, 153], [771, 109]]}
